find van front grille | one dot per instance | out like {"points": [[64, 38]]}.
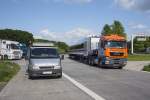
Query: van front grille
{"points": [[46, 67]]}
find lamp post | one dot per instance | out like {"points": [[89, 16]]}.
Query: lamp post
{"points": [[132, 38]]}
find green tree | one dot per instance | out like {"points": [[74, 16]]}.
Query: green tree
{"points": [[77, 46], [140, 46], [106, 30], [63, 47], [117, 28], [41, 40]]}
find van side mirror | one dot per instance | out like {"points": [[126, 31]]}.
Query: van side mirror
{"points": [[62, 57], [26, 57]]}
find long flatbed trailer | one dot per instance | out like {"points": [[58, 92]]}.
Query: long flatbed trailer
{"points": [[90, 44]]}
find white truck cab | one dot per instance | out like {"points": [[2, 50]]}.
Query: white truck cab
{"points": [[10, 49]]}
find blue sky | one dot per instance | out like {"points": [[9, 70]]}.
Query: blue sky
{"points": [[72, 20]]}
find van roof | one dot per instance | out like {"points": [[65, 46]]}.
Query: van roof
{"points": [[42, 45]]}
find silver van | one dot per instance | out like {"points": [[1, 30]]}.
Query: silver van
{"points": [[43, 60]]}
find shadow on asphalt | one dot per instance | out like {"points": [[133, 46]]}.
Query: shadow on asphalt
{"points": [[101, 67], [45, 78]]}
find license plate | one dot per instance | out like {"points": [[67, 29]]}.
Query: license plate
{"points": [[116, 65], [47, 72]]}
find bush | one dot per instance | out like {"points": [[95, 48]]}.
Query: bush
{"points": [[147, 68]]}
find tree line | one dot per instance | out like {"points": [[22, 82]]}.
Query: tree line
{"points": [[16, 35], [62, 46], [77, 46], [27, 38], [140, 46]]}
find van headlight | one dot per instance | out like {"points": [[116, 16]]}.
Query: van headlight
{"points": [[57, 67], [35, 67]]}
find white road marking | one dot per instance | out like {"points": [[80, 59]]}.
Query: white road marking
{"points": [[83, 88]]}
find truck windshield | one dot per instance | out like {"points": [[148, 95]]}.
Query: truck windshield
{"points": [[14, 46], [116, 44], [44, 53]]}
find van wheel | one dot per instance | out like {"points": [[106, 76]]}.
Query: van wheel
{"points": [[59, 76], [120, 67], [5, 57], [30, 77]]}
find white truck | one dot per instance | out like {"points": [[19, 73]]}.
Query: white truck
{"points": [[10, 49]]}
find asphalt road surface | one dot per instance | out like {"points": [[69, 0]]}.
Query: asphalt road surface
{"points": [[80, 82]]}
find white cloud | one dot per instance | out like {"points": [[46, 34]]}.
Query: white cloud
{"points": [[125, 3], [138, 26], [71, 37], [74, 1], [139, 5]]}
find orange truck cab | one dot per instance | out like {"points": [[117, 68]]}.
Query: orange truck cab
{"points": [[112, 51]]}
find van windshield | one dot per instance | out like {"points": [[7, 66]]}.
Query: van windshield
{"points": [[44, 53], [14, 46]]}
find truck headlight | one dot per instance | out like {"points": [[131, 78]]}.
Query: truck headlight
{"points": [[57, 67], [125, 62], [107, 62], [108, 58]]}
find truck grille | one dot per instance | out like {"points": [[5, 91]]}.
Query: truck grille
{"points": [[46, 67], [116, 53], [116, 61]]}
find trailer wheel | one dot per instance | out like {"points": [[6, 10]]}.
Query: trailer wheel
{"points": [[89, 61], [92, 62]]}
